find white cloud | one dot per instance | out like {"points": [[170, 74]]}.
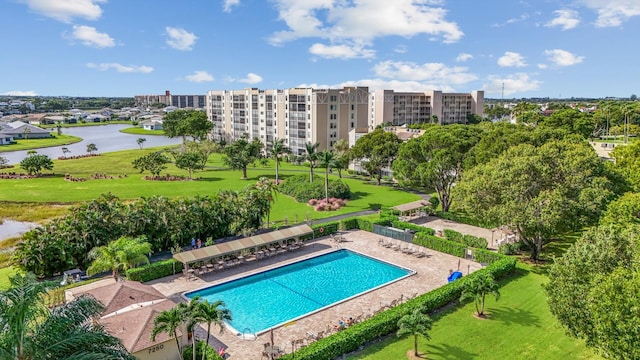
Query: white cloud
{"points": [[66, 10], [20, 93], [351, 21], [431, 72], [180, 39], [566, 19], [613, 13], [199, 76], [521, 18], [341, 51], [121, 68], [462, 57], [563, 58], [228, 4], [511, 59], [516, 83], [384, 84], [89, 36], [543, 66], [400, 49], [251, 79]]}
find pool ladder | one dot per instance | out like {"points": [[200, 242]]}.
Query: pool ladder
{"points": [[248, 335]]}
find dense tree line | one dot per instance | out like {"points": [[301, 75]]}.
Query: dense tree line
{"points": [[65, 242]]}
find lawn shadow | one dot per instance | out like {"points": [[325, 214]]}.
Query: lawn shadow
{"points": [[375, 206], [356, 195], [514, 316], [445, 351], [209, 179]]}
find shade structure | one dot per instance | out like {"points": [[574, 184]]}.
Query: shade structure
{"points": [[411, 206], [235, 246]]}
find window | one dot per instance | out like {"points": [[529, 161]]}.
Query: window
{"points": [[353, 107], [352, 124], [333, 98]]}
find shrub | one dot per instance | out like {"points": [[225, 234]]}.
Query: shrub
{"points": [[302, 190], [155, 270], [469, 240], [438, 244], [210, 353], [413, 227]]}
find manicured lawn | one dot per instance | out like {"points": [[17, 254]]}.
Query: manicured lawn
{"points": [[28, 144], [141, 131], [520, 327], [57, 190]]}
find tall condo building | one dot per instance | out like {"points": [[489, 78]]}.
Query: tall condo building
{"points": [[297, 115], [307, 115], [406, 108], [179, 101]]}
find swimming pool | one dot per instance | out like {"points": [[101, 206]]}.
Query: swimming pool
{"points": [[268, 299]]}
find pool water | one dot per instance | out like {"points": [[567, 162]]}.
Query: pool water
{"points": [[271, 298]]}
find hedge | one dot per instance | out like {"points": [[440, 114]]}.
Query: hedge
{"points": [[413, 227], [386, 323], [155, 270], [439, 244], [469, 240]]}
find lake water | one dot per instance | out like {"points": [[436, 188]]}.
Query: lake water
{"points": [[107, 138], [10, 228]]}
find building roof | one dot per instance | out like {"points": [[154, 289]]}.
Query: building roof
{"points": [[134, 327], [234, 246], [17, 127], [119, 295]]}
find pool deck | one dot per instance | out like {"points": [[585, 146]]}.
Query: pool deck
{"points": [[431, 272]]}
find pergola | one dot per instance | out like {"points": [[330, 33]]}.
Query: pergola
{"points": [[409, 209], [237, 246]]}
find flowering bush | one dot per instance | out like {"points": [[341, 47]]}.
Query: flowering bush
{"points": [[323, 205]]}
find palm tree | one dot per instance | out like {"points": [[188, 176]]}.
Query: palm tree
{"points": [[212, 313], [91, 148], [417, 323], [120, 254], [277, 150], [311, 157], [141, 141], [168, 322], [326, 159], [191, 316], [477, 288], [31, 331]]}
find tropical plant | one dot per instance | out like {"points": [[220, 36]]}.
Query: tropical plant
{"points": [[91, 148], [376, 150], [213, 313], [140, 141], [311, 157], [477, 288], [277, 150], [341, 148], [121, 254], [326, 160], [416, 324], [35, 163], [65, 151], [31, 331], [169, 321]]}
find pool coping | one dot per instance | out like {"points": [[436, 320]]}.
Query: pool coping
{"points": [[253, 336]]}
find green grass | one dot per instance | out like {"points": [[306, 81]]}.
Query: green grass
{"points": [[57, 190], [520, 327], [5, 274], [28, 144], [141, 131]]}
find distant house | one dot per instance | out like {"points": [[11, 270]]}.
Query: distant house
{"points": [[20, 130], [152, 125], [130, 311], [6, 139]]}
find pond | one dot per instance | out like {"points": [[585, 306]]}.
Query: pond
{"points": [[107, 138]]}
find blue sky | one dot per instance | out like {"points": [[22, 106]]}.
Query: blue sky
{"points": [[536, 48]]}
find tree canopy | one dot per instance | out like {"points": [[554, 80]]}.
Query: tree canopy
{"points": [[375, 151], [154, 163], [593, 290], [183, 123], [628, 163], [120, 254], [435, 159], [539, 191], [240, 153], [33, 164]]}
